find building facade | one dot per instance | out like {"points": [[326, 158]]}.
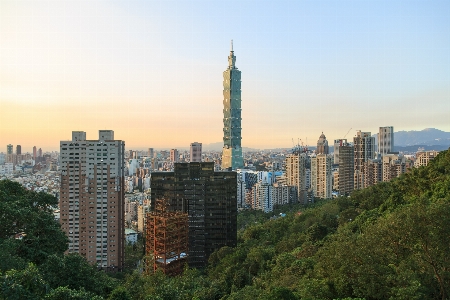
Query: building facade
{"points": [[321, 176], [322, 145], [385, 140], [346, 169], [232, 150], [92, 198], [424, 157], [209, 199], [196, 152], [296, 174]]}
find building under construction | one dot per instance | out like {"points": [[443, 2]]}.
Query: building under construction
{"points": [[167, 239]]}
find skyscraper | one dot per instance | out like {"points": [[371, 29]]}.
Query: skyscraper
{"points": [[34, 152], [92, 198], [232, 151], [346, 168], [9, 149], [196, 152], [18, 149], [322, 145], [174, 155], [364, 147], [385, 140], [209, 198], [321, 176], [296, 174]]}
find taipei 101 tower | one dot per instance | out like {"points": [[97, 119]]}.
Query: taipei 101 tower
{"points": [[232, 151]]}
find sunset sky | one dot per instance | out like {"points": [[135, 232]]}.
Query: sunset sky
{"points": [[152, 70]]}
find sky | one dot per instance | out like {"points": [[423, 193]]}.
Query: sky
{"points": [[152, 70]]}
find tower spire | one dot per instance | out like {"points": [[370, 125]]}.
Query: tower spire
{"points": [[231, 45]]}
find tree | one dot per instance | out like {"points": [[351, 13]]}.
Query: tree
{"points": [[30, 215]]}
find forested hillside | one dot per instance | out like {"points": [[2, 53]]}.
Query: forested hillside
{"points": [[390, 241]]}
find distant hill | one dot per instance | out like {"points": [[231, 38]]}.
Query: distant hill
{"points": [[426, 137]]}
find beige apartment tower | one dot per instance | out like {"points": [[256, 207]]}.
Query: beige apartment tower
{"points": [[321, 176], [196, 152], [92, 198], [296, 174]]}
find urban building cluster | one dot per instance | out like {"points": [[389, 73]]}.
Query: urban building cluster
{"points": [[186, 202]]}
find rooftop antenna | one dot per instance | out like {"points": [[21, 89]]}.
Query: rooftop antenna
{"points": [[231, 45]]}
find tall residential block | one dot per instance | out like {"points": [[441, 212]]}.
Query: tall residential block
{"points": [[196, 152], [18, 149], [346, 168], [34, 152], [364, 147], [174, 155], [385, 140], [322, 145], [232, 150], [92, 198], [296, 174], [337, 143], [321, 176], [9, 149], [209, 199]]}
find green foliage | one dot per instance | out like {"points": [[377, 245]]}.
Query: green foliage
{"points": [[27, 213], [23, 284], [64, 293], [74, 272]]}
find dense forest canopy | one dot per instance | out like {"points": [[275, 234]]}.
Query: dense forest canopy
{"points": [[389, 241]]}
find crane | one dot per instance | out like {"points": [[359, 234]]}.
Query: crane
{"points": [[347, 133]]}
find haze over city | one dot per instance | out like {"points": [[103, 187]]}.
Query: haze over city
{"points": [[152, 70]]}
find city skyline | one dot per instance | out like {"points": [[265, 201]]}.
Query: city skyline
{"points": [[151, 71]]}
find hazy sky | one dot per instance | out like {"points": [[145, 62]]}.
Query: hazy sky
{"points": [[152, 70]]}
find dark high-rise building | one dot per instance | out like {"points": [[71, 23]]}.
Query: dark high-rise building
{"points": [[34, 152], [209, 199], [232, 151], [9, 149], [18, 149], [346, 168]]}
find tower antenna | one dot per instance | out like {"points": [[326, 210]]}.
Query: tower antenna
{"points": [[231, 45]]}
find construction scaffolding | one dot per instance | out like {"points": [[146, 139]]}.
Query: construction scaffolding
{"points": [[166, 239]]}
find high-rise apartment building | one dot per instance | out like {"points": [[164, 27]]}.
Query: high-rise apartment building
{"points": [[174, 155], [337, 143], [196, 152], [296, 174], [346, 168], [321, 176], [150, 152], [394, 165], [385, 140], [34, 152], [18, 149], [322, 145], [92, 198], [9, 149], [373, 172], [364, 147], [209, 199], [232, 151]]}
